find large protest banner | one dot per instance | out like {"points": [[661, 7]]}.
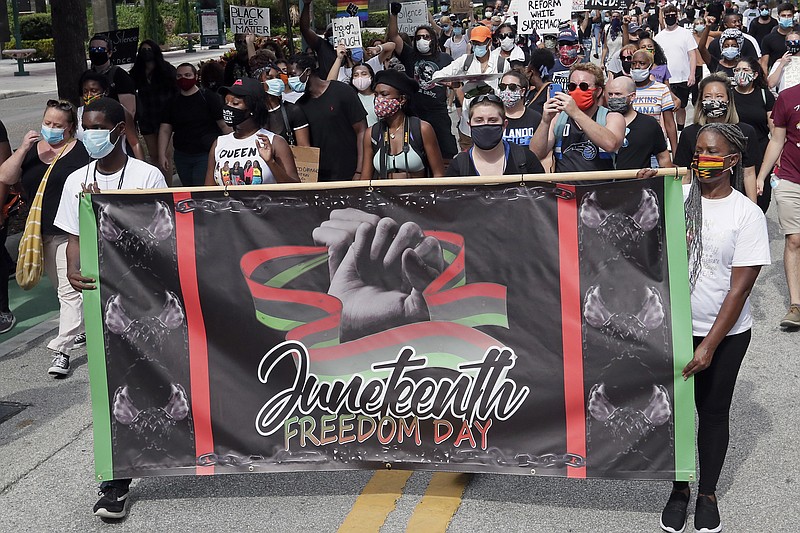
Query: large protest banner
{"points": [[530, 328]]}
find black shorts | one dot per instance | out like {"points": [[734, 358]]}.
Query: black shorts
{"points": [[681, 90]]}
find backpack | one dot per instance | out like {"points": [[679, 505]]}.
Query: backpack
{"points": [[415, 141], [561, 123]]}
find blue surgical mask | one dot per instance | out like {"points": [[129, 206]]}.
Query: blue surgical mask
{"points": [[457, 30], [52, 135], [699, 28], [445, 27], [765, 12], [296, 85], [98, 143], [275, 87], [357, 54], [480, 50], [785, 22], [730, 52]]}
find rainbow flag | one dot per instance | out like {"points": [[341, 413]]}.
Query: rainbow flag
{"points": [[353, 8]]}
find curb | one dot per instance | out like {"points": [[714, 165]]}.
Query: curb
{"points": [[29, 337], [14, 94]]}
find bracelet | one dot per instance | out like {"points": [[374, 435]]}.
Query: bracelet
{"points": [[380, 49]]}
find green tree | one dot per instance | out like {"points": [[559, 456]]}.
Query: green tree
{"points": [[183, 7], [152, 23]]}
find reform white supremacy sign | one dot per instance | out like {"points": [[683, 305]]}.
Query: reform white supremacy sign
{"points": [[543, 16], [253, 20]]}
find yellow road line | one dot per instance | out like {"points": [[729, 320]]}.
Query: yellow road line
{"points": [[439, 504], [375, 502]]}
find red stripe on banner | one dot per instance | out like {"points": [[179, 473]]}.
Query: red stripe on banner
{"points": [[455, 268], [571, 331], [473, 290], [320, 300], [198, 344]]}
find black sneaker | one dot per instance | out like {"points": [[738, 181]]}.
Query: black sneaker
{"points": [[80, 340], [706, 515], [60, 365], [111, 503], [7, 321], [673, 517]]}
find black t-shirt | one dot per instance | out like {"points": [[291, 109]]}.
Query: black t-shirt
{"points": [[234, 70], [715, 9], [578, 153], [536, 102], [652, 18], [430, 102], [688, 141], [643, 138], [520, 130], [331, 119], [120, 82], [194, 121], [33, 170], [326, 56], [758, 31], [752, 109], [774, 45], [714, 67], [748, 50], [516, 152], [294, 116]]}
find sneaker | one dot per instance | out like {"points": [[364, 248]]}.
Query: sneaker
{"points": [[111, 503], [80, 340], [792, 318], [706, 515], [60, 366], [673, 517], [7, 321]]}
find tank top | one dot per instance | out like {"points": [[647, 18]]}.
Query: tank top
{"points": [[578, 153], [229, 150]]}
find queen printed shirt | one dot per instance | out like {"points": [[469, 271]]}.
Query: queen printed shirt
{"points": [[237, 161]]}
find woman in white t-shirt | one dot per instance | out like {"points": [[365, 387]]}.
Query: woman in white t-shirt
{"points": [[728, 244], [457, 45], [785, 72], [245, 111]]}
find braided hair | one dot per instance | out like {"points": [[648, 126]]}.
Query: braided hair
{"points": [[693, 204]]}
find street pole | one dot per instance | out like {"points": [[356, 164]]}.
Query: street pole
{"points": [[221, 21], [288, 19], [190, 49], [18, 40]]}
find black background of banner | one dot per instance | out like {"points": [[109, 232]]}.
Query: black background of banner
{"points": [[510, 242]]}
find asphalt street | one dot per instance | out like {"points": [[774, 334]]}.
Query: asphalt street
{"points": [[47, 480]]}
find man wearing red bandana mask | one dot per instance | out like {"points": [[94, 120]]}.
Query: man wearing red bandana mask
{"points": [[583, 135]]}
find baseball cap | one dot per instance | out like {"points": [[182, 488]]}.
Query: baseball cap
{"points": [[243, 87], [567, 36], [480, 34]]}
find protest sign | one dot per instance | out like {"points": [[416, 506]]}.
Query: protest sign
{"points": [[348, 31], [605, 5], [461, 6], [230, 333], [253, 20], [578, 6], [543, 16], [413, 15], [307, 160], [125, 44]]}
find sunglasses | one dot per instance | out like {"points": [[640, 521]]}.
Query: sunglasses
{"points": [[626, 58], [510, 86], [422, 37], [490, 97], [63, 105], [583, 86], [504, 35], [101, 49]]}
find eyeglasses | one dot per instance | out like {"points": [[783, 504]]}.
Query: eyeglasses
{"points": [[583, 86], [100, 49], [626, 58], [63, 105], [422, 36], [510, 86]]}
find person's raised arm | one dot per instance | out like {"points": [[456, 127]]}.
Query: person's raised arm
{"points": [[391, 32], [771, 155], [544, 137], [626, 36], [341, 52], [777, 70], [11, 169], [702, 45], [309, 35]]}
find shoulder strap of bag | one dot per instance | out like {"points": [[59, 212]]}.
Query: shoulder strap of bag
{"points": [[417, 142], [289, 130], [468, 62], [43, 184]]}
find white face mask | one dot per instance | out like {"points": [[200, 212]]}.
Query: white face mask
{"points": [[362, 82], [639, 75], [423, 46], [507, 44]]}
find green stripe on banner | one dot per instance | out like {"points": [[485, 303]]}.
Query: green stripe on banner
{"points": [[95, 343], [681, 317], [448, 256], [289, 274], [280, 324], [486, 319]]}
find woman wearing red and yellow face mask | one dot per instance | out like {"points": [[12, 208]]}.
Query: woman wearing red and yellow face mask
{"points": [[583, 135]]}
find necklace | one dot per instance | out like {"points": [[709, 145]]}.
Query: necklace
{"points": [[393, 135]]}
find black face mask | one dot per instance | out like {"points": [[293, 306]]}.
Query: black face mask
{"points": [[98, 58], [626, 66], [147, 54], [487, 136], [670, 20], [234, 116]]}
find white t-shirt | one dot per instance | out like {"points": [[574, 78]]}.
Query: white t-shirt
{"points": [[790, 75], [137, 175], [734, 235], [677, 44], [457, 49]]}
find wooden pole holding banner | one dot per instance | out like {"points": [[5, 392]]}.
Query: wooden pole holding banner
{"points": [[677, 173]]}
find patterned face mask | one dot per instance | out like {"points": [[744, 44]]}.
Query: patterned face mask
{"points": [[710, 167], [386, 107], [714, 108]]}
